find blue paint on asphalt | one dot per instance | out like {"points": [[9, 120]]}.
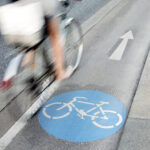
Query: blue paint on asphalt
{"points": [[82, 116]]}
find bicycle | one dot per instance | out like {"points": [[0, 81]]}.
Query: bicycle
{"points": [[97, 120], [71, 33]]}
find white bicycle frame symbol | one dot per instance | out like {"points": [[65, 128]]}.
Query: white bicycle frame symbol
{"points": [[82, 114]]}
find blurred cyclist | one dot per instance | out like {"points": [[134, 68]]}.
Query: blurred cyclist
{"points": [[49, 7]]}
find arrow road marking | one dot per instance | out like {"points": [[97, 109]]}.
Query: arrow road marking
{"points": [[118, 53]]}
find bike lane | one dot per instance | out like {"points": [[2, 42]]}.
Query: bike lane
{"points": [[98, 72], [12, 99]]}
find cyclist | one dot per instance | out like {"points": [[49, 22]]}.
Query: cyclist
{"points": [[52, 27], [49, 7]]}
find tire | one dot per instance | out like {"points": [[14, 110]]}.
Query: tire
{"points": [[57, 107], [114, 118], [73, 47]]}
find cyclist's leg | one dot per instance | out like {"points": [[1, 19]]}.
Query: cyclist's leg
{"points": [[29, 59], [57, 51]]}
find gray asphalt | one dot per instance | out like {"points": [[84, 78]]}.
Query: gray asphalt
{"points": [[117, 78], [80, 10], [136, 134]]}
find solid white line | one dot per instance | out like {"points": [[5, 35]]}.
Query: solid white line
{"points": [[20, 124], [99, 15]]}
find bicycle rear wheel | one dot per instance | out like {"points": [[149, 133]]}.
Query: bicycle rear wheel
{"points": [[73, 47]]}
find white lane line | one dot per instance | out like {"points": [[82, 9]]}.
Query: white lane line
{"points": [[20, 124], [118, 53]]}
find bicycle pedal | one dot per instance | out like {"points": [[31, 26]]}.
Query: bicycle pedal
{"points": [[50, 67]]}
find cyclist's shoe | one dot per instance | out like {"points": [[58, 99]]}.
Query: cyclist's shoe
{"points": [[67, 74], [5, 85]]}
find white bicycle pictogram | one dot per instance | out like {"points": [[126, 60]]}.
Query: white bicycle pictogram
{"points": [[101, 121]]}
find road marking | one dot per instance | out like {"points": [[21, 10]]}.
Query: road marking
{"points": [[7, 138], [101, 117], [118, 53]]}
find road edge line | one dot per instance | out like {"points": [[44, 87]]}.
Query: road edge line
{"points": [[99, 15]]}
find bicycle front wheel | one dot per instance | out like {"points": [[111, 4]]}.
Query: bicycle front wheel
{"points": [[73, 47]]}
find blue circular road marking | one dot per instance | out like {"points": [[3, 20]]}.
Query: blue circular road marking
{"points": [[82, 116]]}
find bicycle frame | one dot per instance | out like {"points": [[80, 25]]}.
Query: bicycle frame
{"points": [[82, 113]]}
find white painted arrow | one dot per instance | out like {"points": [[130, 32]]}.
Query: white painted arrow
{"points": [[118, 53]]}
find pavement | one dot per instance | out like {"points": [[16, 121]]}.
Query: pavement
{"points": [[136, 134], [126, 79]]}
